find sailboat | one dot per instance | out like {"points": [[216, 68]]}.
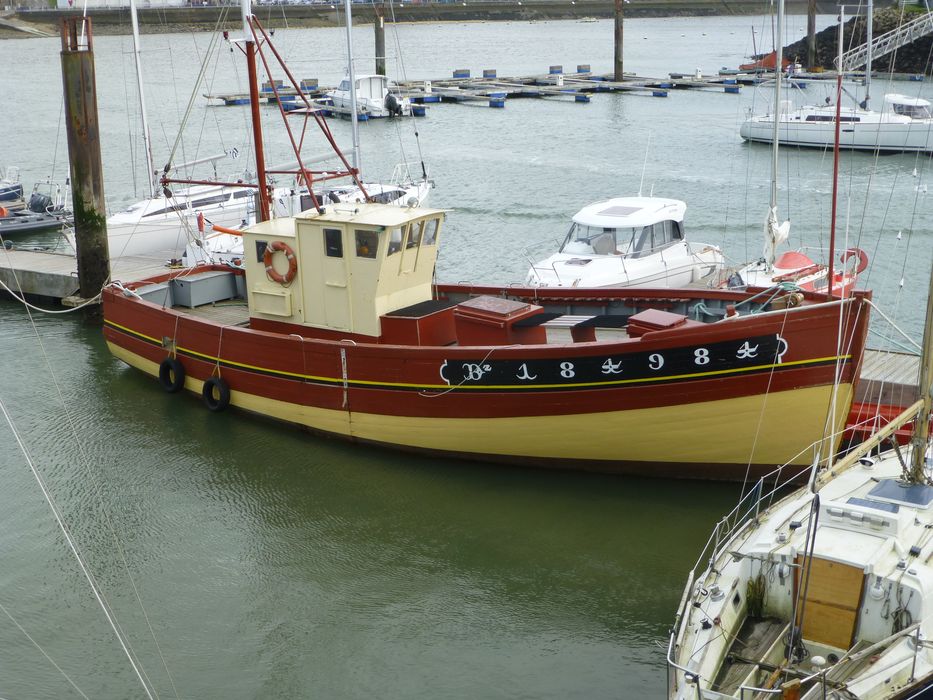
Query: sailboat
{"points": [[218, 243], [189, 217], [335, 323], [796, 267], [825, 592], [905, 124]]}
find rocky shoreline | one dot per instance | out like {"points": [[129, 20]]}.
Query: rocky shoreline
{"points": [[912, 58]]}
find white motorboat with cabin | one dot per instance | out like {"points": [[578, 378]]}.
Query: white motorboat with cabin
{"points": [[627, 242], [374, 98]]}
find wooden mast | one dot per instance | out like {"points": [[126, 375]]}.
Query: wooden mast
{"points": [[264, 208]]}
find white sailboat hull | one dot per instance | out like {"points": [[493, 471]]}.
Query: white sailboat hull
{"points": [[815, 127]]}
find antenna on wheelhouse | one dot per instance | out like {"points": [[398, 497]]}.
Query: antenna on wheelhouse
{"points": [[644, 167]]}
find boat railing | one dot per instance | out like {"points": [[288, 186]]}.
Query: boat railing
{"points": [[745, 514], [534, 252], [403, 174]]}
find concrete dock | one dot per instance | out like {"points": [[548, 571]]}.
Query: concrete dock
{"points": [[54, 276]]}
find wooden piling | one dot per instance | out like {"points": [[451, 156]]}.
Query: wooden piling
{"points": [[87, 176], [617, 64], [380, 27]]}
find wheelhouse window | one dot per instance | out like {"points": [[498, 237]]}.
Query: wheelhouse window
{"points": [[414, 235], [366, 244], [333, 242], [430, 234], [395, 241], [344, 86]]}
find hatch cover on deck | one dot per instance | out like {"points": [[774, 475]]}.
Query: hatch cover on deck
{"points": [[894, 491]]}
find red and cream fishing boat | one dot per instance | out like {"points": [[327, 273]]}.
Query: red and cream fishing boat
{"points": [[335, 324], [344, 333]]}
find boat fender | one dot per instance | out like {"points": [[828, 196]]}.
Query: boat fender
{"points": [[4, 212], [292, 262], [860, 254], [216, 394], [172, 375]]}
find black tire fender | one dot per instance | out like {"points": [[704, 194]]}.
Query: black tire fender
{"points": [[172, 375], [216, 394]]}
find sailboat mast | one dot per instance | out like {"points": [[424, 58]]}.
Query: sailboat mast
{"points": [[778, 72], [355, 127], [921, 435], [868, 32], [838, 126], [264, 208], [147, 145], [772, 230]]}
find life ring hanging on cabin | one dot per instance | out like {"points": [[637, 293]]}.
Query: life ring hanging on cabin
{"points": [[292, 262], [860, 254]]}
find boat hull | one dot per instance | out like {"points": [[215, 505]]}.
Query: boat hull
{"points": [[731, 399], [869, 136]]}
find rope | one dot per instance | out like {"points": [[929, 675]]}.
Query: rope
{"points": [[893, 325], [105, 607], [27, 304], [42, 651]]}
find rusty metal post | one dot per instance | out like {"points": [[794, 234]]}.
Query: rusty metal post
{"points": [[617, 72], [380, 27], [87, 176]]}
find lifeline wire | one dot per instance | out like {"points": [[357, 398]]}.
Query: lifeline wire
{"points": [[74, 550], [42, 651]]}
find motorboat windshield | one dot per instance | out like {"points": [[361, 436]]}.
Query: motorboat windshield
{"points": [[633, 242]]}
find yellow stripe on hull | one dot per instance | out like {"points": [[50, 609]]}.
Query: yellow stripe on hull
{"points": [[774, 429]]}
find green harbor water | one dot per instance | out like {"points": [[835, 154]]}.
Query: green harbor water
{"points": [[246, 559]]}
